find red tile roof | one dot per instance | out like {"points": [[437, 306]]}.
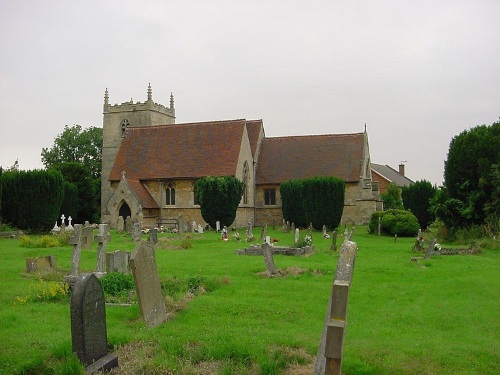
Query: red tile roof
{"points": [[179, 151], [285, 158], [142, 194], [254, 128]]}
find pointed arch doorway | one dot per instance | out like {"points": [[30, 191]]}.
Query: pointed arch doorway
{"points": [[124, 211]]}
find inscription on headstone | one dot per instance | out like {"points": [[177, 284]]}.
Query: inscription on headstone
{"points": [[88, 325], [147, 285]]}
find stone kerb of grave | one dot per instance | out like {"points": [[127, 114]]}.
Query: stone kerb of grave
{"points": [[88, 325], [147, 285], [329, 358], [40, 264], [276, 250]]}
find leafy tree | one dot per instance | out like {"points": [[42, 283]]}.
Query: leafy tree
{"points": [[75, 144], [469, 176], [416, 198], [69, 205], [219, 198], [32, 199], [400, 222], [392, 199], [87, 205]]}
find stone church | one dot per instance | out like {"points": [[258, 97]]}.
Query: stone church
{"points": [[150, 165]]}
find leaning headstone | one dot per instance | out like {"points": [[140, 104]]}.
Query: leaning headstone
{"points": [[431, 249], [120, 224], [267, 251], [88, 325], [40, 264], [129, 225], [334, 240], [147, 285], [297, 235], [329, 358], [87, 237], [153, 236], [118, 261], [76, 241], [102, 239]]}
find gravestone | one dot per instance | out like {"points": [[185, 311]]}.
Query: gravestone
{"points": [[120, 224], [70, 227], [181, 225], [76, 241], [88, 325], [62, 220], [40, 264], [263, 233], [136, 232], [153, 236], [193, 227], [334, 240], [431, 249], [87, 237], [293, 227], [324, 230], [351, 233], [102, 239], [118, 261], [267, 251], [200, 228], [217, 226], [297, 235], [129, 225], [147, 285], [329, 358]]}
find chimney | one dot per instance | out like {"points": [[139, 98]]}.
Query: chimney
{"points": [[402, 169]]}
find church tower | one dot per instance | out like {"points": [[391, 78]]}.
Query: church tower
{"points": [[116, 119]]}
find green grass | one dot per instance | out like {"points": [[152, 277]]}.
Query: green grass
{"points": [[438, 316]]}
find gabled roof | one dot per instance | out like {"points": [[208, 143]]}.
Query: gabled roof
{"points": [[391, 175], [254, 128], [191, 150], [142, 194], [285, 158]]}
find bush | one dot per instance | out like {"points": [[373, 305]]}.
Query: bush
{"points": [[39, 242], [115, 283], [400, 222]]}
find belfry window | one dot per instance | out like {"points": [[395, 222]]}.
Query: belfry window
{"points": [[124, 125], [170, 194]]}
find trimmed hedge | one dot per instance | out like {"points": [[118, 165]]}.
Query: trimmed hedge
{"points": [[316, 200]]}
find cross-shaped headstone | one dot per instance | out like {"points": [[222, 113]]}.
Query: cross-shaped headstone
{"points": [[76, 241], [102, 239], [62, 218]]}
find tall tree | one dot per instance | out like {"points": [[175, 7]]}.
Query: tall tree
{"points": [[416, 198], [392, 199], [219, 198], [469, 173], [75, 144]]}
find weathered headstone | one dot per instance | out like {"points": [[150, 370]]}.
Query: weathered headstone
{"points": [[118, 261], [217, 226], [249, 230], [268, 240], [120, 224], [324, 230], [293, 227], [263, 233], [88, 325], [129, 225], [334, 240], [193, 227], [147, 285], [431, 249], [267, 251], [136, 232], [76, 241], [87, 237], [153, 236], [40, 264], [297, 235], [102, 239], [329, 358], [200, 228]]}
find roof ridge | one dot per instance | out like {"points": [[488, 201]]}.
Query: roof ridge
{"points": [[313, 135]]}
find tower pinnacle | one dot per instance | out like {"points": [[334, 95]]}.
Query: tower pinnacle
{"points": [[106, 97], [150, 92], [171, 101]]}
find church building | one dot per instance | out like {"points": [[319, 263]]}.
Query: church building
{"points": [[150, 165]]}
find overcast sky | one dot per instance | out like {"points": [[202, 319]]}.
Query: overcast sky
{"points": [[416, 72]]}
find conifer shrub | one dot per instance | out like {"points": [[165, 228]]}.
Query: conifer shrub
{"points": [[400, 222]]}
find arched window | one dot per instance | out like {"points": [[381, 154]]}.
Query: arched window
{"points": [[245, 183], [170, 194], [124, 125]]}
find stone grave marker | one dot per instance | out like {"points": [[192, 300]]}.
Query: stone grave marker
{"points": [[297, 235], [193, 227], [334, 240], [351, 233], [267, 251], [249, 230], [40, 264], [136, 232], [329, 358], [217, 226], [70, 227], [88, 325], [147, 285], [102, 239], [153, 236], [324, 230], [76, 241], [129, 225], [87, 237], [118, 261], [200, 228], [120, 224], [182, 227], [293, 227], [431, 249], [263, 233]]}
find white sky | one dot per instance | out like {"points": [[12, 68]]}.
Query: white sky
{"points": [[416, 72]]}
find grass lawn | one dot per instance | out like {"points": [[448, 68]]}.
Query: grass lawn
{"points": [[434, 316]]}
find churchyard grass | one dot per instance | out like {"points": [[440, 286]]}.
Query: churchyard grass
{"points": [[433, 316]]}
